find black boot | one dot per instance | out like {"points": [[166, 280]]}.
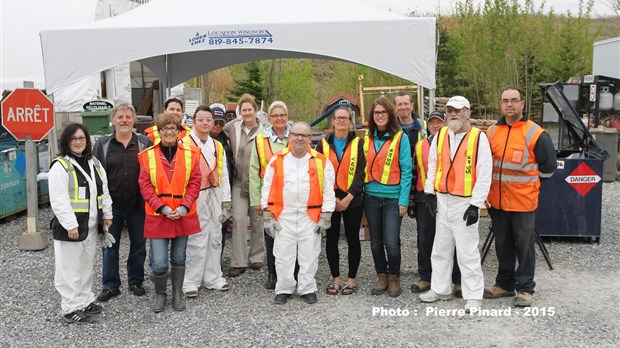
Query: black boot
{"points": [[178, 303], [272, 279], [160, 292]]}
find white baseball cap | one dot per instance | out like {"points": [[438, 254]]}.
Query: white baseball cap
{"points": [[458, 102]]}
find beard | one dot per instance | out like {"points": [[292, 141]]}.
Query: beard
{"points": [[455, 125]]}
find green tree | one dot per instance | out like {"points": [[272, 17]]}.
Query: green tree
{"points": [[251, 83]]}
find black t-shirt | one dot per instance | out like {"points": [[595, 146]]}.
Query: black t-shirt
{"points": [[123, 170]]}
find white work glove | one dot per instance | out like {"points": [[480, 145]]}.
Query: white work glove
{"points": [[182, 210], [270, 225], [166, 210], [107, 240], [226, 211], [324, 223]]}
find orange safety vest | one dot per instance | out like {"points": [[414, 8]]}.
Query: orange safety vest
{"points": [[515, 183], [210, 176], [347, 166], [383, 166], [171, 193], [457, 176], [264, 152], [316, 170], [421, 155], [153, 133]]}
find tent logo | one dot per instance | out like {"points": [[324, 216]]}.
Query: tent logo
{"points": [[583, 179], [197, 39]]}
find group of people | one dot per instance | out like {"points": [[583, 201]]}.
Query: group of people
{"points": [[178, 187]]}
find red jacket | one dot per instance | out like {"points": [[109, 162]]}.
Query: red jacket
{"points": [[160, 226]]}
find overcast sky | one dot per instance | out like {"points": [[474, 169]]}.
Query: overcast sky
{"points": [[446, 6]]}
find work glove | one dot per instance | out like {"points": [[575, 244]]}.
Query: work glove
{"points": [[107, 239], [270, 225], [166, 210], [431, 204], [324, 223], [411, 207], [226, 211], [182, 210], [471, 215]]}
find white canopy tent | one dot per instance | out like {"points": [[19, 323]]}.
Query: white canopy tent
{"points": [[181, 39]]}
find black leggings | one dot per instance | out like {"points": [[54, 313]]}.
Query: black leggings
{"points": [[352, 220]]}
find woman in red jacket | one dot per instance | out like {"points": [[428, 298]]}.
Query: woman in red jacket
{"points": [[170, 183]]}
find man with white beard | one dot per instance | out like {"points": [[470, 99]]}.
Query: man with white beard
{"points": [[458, 181]]}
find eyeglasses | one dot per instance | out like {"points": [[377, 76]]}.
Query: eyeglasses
{"points": [[219, 123], [77, 139], [450, 110], [299, 135], [169, 129], [512, 101], [341, 118], [380, 113], [279, 115]]}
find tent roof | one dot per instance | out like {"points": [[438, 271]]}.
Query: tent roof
{"points": [[181, 39]]}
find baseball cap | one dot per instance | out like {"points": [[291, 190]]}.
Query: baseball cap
{"points": [[218, 113], [437, 114], [458, 102]]}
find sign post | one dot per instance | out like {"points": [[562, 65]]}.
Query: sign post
{"points": [[28, 115]]}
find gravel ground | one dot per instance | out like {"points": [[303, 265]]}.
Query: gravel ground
{"points": [[576, 304]]}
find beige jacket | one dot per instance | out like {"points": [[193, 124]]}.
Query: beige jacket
{"points": [[242, 158]]}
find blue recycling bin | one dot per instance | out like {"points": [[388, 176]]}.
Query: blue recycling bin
{"points": [[569, 204]]}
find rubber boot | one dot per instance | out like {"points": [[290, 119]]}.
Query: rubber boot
{"points": [[271, 263], [393, 288], [160, 292], [178, 303], [381, 286]]}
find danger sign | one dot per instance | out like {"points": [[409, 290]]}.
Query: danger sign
{"points": [[583, 179], [27, 114]]}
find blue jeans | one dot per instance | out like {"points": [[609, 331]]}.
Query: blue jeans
{"points": [[384, 225], [137, 251], [158, 254], [514, 242]]}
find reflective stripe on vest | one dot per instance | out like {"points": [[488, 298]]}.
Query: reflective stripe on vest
{"points": [[316, 171], [383, 166], [79, 205], [171, 193], [515, 180], [347, 166], [264, 152], [457, 176], [211, 177], [421, 155]]}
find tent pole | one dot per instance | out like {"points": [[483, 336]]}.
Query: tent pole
{"points": [[167, 86]]}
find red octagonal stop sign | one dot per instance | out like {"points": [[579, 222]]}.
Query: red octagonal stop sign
{"points": [[27, 114]]}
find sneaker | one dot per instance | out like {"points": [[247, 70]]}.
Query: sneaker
{"points": [[458, 292], [310, 298], [107, 294], [497, 292], [470, 304], [93, 308], [281, 298], [137, 289], [256, 266], [420, 286], [431, 296], [235, 271], [523, 299], [78, 317], [191, 294], [225, 287]]}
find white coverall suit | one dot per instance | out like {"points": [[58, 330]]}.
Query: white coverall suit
{"points": [[297, 239], [204, 249], [451, 228], [75, 260]]}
